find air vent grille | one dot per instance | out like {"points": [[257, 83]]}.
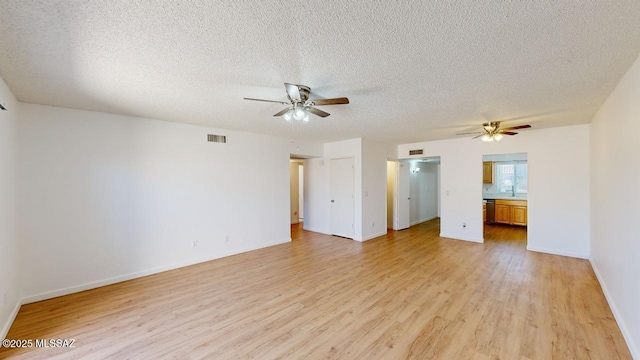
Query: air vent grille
{"points": [[217, 138], [416, 152]]}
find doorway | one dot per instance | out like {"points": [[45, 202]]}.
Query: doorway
{"points": [[413, 192], [296, 190], [505, 193]]}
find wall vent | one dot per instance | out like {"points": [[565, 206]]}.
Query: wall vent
{"points": [[2, 107], [217, 138], [416, 152]]}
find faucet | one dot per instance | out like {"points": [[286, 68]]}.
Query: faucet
{"points": [[513, 191]]}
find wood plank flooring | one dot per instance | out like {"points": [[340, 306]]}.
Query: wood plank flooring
{"points": [[409, 294]]}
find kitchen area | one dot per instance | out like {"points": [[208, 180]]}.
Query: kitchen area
{"points": [[505, 189]]}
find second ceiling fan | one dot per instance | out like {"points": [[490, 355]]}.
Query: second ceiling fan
{"points": [[493, 131], [299, 105]]}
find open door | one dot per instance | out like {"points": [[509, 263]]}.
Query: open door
{"points": [[402, 197]]}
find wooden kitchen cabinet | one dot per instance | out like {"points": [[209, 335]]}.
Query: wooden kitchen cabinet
{"points": [[487, 172], [512, 212], [519, 215], [503, 214]]}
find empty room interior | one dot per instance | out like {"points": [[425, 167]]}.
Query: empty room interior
{"points": [[352, 180]]}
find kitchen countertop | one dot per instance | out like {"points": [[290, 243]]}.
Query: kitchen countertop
{"points": [[494, 197]]}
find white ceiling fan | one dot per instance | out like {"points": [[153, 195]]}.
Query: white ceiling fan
{"points": [[299, 105]]}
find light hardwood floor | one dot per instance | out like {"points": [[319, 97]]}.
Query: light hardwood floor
{"points": [[410, 294]]}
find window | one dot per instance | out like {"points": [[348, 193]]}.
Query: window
{"points": [[512, 177]]}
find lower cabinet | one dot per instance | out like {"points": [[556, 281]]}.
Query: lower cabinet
{"points": [[503, 214], [512, 212], [519, 215]]}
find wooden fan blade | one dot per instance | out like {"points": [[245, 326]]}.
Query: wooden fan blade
{"points": [[273, 101], [508, 133], [335, 101], [280, 113], [293, 92], [517, 127], [318, 112], [472, 133]]}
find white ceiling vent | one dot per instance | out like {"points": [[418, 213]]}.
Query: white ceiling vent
{"points": [[217, 138], [416, 152]]}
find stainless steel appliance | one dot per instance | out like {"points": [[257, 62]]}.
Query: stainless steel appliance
{"points": [[491, 211]]}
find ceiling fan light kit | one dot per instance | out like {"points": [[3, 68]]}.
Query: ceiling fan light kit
{"points": [[489, 138], [299, 104]]}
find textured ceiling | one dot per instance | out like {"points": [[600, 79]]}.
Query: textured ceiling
{"points": [[413, 70]]}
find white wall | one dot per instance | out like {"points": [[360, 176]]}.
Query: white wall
{"points": [[374, 187], [558, 200], [615, 195], [9, 250], [424, 192], [106, 197]]}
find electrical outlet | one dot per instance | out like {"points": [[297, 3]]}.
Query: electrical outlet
{"points": [[373, 224], [464, 225], [195, 243], [226, 238]]}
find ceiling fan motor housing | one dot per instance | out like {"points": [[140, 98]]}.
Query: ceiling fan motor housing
{"points": [[491, 127], [304, 93]]}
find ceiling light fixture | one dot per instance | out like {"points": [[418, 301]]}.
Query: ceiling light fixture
{"points": [[297, 113], [491, 137]]}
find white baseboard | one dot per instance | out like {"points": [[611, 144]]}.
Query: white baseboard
{"points": [[557, 252], [616, 314], [12, 317], [374, 236], [423, 220], [315, 230], [116, 279], [462, 237]]}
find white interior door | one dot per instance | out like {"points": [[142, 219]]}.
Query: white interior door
{"points": [[342, 199], [403, 199]]}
